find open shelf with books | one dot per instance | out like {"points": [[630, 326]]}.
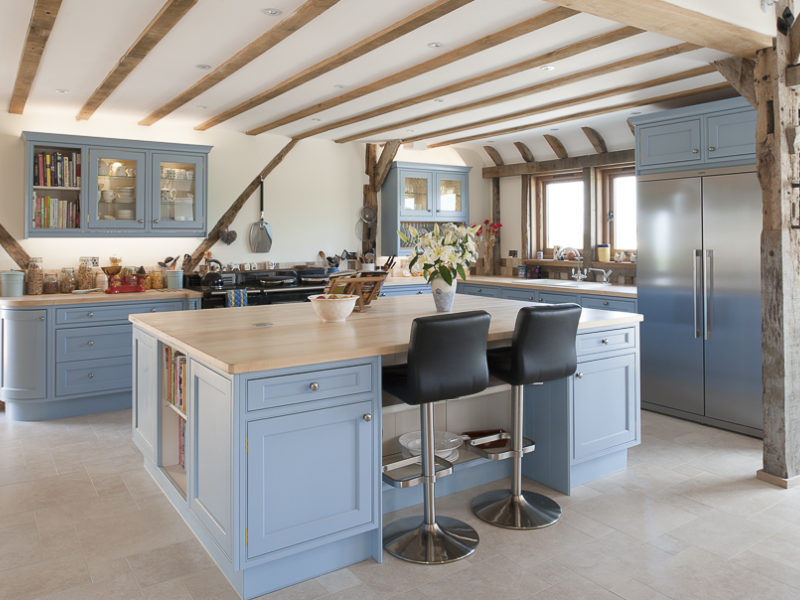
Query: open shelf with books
{"points": [[174, 394], [56, 184]]}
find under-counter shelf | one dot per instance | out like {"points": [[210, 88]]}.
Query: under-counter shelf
{"points": [[393, 404]]}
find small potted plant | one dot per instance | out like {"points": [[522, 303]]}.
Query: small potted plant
{"points": [[442, 255]]}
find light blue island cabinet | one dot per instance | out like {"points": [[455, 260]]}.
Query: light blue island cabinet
{"points": [[262, 426]]}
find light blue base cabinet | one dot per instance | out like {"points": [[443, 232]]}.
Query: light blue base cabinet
{"points": [[617, 303], [282, 468], [67, 360], [388, 291]]}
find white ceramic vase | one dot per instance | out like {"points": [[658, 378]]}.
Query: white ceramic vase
{"points": [[443, 294]]}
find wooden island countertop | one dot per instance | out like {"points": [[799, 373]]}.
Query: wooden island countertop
{"points": [[261, 338], [95, 297]]}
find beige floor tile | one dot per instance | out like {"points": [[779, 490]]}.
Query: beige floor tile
{"points": [[632, 589], [120, 587], [44, 577], [306, 590], [337, 581], [168, 590], [161, 564], [723, 534], [105, 570], [209, 584], [19, 546], [575, 588]]}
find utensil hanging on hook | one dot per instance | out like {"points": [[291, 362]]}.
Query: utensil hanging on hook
{"points": [[261, 232]]}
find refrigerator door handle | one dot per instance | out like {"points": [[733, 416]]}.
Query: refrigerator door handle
{"points": [[708, 290], [696, 255]]}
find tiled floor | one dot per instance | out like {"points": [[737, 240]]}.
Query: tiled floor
{"points": [[80, 519]]}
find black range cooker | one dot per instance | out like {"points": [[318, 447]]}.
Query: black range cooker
{"points": [[262, 287]]}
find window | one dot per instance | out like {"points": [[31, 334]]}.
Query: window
{"points": [[619, 209], [560, 212]]}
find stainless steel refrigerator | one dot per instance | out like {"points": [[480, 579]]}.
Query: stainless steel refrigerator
{"points": [[698, 277]]}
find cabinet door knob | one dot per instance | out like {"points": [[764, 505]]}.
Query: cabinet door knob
{"points": [[539, 299], [367, 417], [156, 220], [530, 298], [90, 375], [41, 318], [313, 386], [90, 343], [152, 310], [695, 150], [579, 375], [480, 289], [140, 220], [90, 314], [605, 341], [383, 294], [605, 303], [711, 148], [419, 292]]}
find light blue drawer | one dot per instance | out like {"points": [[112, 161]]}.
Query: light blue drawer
{"points": [[479, 290], [524, 295], [93, 376], [111, 312], [281, 390], [605, 341], [608, 303], [86, 343], [556, 298], [405, 290]]}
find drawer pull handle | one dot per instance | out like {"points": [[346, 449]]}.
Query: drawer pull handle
{"points": [[41, 318], [605, 303], [313, 386], [695, 150], [711, 148], [539, 299], [605, 341], [90, 375], [367, 417], [156, 220], [90, 343], [140, 220], [383, 293], [480, 290], [152, 310], [530, 297], [90, 314], [579, 375], [419, 292]]}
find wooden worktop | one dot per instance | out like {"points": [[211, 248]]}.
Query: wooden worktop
{"points": [[94, 297], [571, 287], [258, 338]]}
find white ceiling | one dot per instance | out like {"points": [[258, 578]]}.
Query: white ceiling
{"points": [[90, 36]]}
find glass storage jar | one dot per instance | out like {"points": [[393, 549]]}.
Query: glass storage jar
{"points": [[50, 283], [85, 276], [34, 277], [66, 284]]}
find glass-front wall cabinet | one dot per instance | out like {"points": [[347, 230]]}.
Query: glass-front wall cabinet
{"points": [[117, 196], [450, 199], [179, 184], [416, 195]]}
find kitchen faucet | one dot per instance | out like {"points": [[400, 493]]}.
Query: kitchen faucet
{"points": [[578, 274], [604, 273]]}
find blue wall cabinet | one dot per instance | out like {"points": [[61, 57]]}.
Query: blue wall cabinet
{"points": [[24, 339], [322, 453], [420, 194], [79, 186], [718, 134]]}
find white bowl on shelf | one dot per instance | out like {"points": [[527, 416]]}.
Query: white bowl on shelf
{"points": [[333, 308], [445, 444]]}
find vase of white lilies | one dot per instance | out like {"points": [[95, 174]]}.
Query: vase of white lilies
{"points": [[442, 254]]}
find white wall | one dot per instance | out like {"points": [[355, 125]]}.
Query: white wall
{"points": [[745, 13], [312, 198]]}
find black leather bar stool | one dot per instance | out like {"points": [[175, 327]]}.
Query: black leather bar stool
{"points": [[446, 359], [542, 349]]}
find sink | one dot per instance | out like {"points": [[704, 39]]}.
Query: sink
{"points": [[568, 283]]}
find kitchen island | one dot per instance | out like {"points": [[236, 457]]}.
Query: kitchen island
{"points": [[262, 425]]}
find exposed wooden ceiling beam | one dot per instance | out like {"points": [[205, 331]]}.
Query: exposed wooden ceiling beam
{"points": [[704, 70], [631, 127], [494, 155], [166, 18], [310, 10], [587, 113], [525, 152], [384, 163], [43, 17], [557, 146], [484, 43], [595, 139], [522, 92], [396, 30], [619, 157], [677, 22], [740, 74]]}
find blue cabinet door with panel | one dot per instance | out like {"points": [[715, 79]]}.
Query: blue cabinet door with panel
{"points": [[730, 134], [605, 412], [609, 303], [24, 348], [479, 290], [145, 389], [309, 475], [121, 204], [451, 194], [415, 192], [178, 194], [674, 143]]}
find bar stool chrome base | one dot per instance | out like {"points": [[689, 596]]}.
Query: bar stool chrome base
{"points": [[447, 540], [529, 510]]}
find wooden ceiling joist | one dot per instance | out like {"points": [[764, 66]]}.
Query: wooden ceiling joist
{"points": [[384, 163], [631, 126], [522, 92], [620, 157], [309, 11], [595, 139], [560, 104], [166, 18], [717, 87], [494, 155], [557, 146], [43, 17], [396, 30], [484, 43], [666, 18], [525, 152]]}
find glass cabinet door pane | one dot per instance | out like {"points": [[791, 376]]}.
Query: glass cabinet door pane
{"points": [[449, 195], [415, 196], [178, 194], [116, 184]]}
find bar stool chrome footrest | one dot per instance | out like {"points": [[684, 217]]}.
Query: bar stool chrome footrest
{"points": [[446, 540], [443, 468], [529, 510], [501, 453]]}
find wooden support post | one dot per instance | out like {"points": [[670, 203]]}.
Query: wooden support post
{"points": [[496, 219], [15, 251], [739, 73], [780, 264], [377, 169], [525, 216], [227, 218], [589, 211]]}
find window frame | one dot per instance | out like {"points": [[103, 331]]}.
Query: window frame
{"points": [[541, 206], [605, 229]]}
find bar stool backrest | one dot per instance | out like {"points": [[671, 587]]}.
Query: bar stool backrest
{"points": [[543, 346], [447, 356]]}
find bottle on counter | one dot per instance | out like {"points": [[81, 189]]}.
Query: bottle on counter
{"points": [[34, 277], [66, 284], [101, 280], [50, 283]]}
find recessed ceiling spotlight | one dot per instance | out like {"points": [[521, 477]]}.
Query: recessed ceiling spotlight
{"points": [[62, 91], [315, 119], [434, 44], [339, 86], [547, 68], [636, 112], [203, 67], [554, 129], [410, 130], [438, 99], [272, 12], [202, 106]]}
